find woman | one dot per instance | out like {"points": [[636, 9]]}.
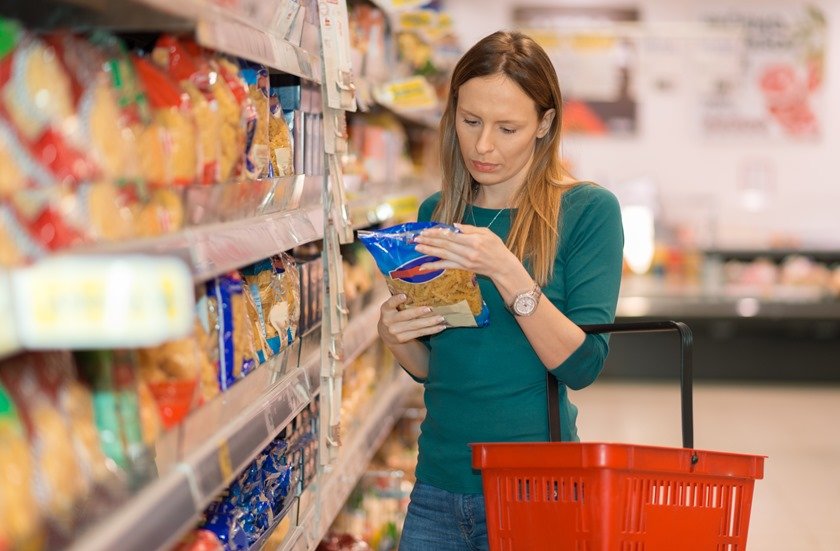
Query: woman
{"points": [[547, 251]]}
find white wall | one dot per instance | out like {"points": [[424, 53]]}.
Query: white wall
{"points": [[696, 177]]}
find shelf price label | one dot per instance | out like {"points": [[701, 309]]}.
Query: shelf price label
{"points": [[413, 93], [102, 301]]}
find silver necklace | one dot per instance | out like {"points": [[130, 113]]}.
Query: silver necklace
{"points": [[472, 214]]}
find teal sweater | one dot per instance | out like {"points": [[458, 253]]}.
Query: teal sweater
{"points": [[487, 384]]}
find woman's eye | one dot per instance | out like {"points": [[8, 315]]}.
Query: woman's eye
{"points": [[470, 122], [508, 130]]}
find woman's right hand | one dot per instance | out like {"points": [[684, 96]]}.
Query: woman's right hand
{"points": [[400, 326]]}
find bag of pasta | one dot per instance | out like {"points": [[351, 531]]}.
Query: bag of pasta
{"points": [[453, 294]]}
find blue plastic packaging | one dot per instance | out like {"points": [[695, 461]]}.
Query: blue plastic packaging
{"points": [[453, 294]]}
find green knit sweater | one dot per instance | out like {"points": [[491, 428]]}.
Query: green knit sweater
{"points": [[487, 384]]}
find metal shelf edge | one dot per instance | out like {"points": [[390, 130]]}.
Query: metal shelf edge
{"points": [[170, 505]]}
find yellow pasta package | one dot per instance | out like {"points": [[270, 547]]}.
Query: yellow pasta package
{"points": [[453, 294]]}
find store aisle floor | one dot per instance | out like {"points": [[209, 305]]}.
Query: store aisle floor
{"points": [[797, 504]]}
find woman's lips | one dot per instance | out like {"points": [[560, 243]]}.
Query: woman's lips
{"points": [[484, 167]]}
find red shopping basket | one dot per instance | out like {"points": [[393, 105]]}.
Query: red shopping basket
{"points": [[600, 496]]}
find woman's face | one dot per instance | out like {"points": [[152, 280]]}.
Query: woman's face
{"points": [[497, 127]]}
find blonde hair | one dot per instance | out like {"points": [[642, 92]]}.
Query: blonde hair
{"points": [[534, 229]]}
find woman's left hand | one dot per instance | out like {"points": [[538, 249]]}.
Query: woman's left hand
{"points": [[474, 249]]}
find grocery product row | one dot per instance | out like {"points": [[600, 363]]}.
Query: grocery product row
{"points": [[107, 139]]}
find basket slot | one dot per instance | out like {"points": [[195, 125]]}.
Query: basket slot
{"points": [[651, 503]]}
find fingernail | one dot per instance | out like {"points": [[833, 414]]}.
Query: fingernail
{"points": [[427, 310], [401, 297], [441, 319]]}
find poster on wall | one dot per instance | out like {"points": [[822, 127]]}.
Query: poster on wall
{"points": [[778, 92], [595, 62]]}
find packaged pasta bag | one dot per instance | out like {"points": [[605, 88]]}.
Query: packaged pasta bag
{"points": [[173, 122], [257, 158], [19, 517], [37, 99], [208, 339], [149, 164], [274, 303], [228, 317], [58, 482], [289, 276], [280, 139], [195, 79], [126, 419], [172, 372], [262, 295], [453, 294], [104, 130], [245, 125]]}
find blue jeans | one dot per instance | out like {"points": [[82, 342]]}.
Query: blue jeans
{"points": [[441, 521]]}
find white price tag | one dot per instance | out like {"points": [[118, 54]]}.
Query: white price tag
{"points": [[102, 301]]}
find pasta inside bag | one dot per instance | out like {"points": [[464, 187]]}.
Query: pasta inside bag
{"points": [[453, 294]]}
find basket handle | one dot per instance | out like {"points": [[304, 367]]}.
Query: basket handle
{"points": [[686, 373]]}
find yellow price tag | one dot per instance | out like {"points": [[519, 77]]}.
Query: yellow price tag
{"points": [[417, 20], [411, 93]]}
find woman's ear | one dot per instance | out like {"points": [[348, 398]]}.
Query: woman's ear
{"points": [[545, 123]]}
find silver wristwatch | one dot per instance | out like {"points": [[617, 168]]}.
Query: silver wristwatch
{"points": [[524, 304]]}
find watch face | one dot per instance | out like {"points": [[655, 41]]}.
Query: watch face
{"points": [[524, 305]]}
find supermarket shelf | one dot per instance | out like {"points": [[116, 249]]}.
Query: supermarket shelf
{"points": [[361, 331], [214, 249], [217, 441], [244, 40], [244, 28], [335, 485]]}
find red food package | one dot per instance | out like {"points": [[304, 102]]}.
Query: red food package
{"points": [[37, 99], [195, 80], [172, 122], [105, 129], [56, 470]]}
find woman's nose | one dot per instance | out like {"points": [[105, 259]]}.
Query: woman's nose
{"points": [[484, 143]]}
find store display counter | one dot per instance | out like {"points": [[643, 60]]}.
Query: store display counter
{"points": [[741, 333]]}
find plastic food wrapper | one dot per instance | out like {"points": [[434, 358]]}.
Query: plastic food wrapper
{"points": [[243, 127], [280, 139], [453, 294], [274, 303], [104, 131], [36, 97], [128, 423], [257, 158], [172, 372], [19, 517], [195, 78], [173, 124], [228, 318], [58, 482]]}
